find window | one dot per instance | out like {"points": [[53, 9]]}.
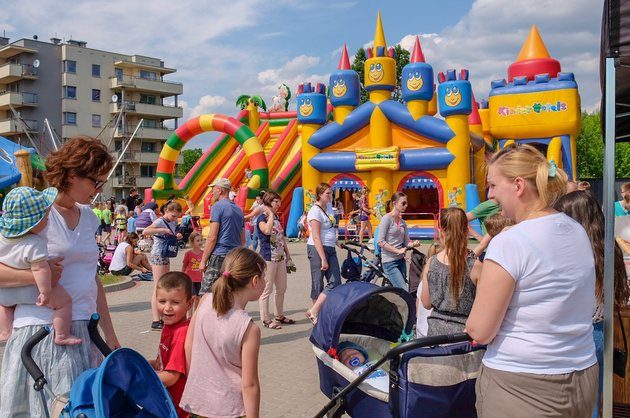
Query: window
{"points": [[147, 147], [148, 75], [96, 121], [96, 95], [150, 123], [119, 73], [147, 171], [70, 66], [96, 70], [119, 170], [118, 145], [70, 92], [147, 99], [69, 118]]}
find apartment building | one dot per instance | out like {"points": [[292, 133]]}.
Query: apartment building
{"points": [[80, 90]]}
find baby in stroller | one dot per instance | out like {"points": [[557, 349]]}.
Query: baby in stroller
{"points": [[355, 357]]}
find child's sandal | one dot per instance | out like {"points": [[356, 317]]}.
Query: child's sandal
{"points": [[284, 320], [271, 325]]}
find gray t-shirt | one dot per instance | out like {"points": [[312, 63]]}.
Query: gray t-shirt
{"points": [[395, 234], [231, 225]]}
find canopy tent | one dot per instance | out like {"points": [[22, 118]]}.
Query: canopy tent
{"points": [[615, 43], [615, 76]]}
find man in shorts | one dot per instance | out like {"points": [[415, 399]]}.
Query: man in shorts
{"points": [[227, 231]]}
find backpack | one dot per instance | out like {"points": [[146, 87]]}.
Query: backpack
{"points": [[351, 269]]}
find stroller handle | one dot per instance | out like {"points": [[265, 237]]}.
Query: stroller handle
{"points": [[33, 369], [358, 244], [95, 336], [27, 359], [394, 352]]}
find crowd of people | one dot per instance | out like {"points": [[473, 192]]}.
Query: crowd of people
{"points": [[532, 289]]}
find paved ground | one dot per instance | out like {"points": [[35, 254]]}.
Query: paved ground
{"points": [[288, 371]]}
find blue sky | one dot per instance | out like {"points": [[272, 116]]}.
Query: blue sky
{"points": [[223, 48]]}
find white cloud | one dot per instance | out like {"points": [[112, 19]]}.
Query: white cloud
{"points": [[488, 39], [206, 104]]}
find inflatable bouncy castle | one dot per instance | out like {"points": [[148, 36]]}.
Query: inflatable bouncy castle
{"points": [[388, 146], [433, 146]]}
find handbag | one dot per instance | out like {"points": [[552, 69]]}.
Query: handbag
{"points": [[620, 357], [169, 246]]}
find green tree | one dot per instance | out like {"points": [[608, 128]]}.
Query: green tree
{"points": [[590, 150], [402, 59], [190, 158]]}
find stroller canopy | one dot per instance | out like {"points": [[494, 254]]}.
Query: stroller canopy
{"points": [[364, 308], [124, 385]]}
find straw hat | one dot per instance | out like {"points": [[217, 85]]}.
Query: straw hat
{"points": [[24, 208]]}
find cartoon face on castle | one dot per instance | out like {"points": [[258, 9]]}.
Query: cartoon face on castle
{"points": [[376, 73], [453, 96], [380, 73], [414, 81], [339, 87], [305, 106]]}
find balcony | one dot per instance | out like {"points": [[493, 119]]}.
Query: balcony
{"points": [[129, 156], [120, 181], [136, 108], [166, 88], [9, 98], [148, 133], [13, 127], [10, 72]]}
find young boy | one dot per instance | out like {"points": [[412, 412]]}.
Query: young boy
{"points": [[174, 298]]}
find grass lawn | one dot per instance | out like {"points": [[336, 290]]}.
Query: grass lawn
{"points": [[110, 278]]}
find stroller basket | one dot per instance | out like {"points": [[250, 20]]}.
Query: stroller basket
{"points": [[425, 378], [124, 385]]}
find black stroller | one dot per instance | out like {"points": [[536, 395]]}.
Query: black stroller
{"points": [[426, 379], [189, 225]]}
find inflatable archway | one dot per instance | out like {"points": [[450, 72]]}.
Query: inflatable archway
{"points": [[164, 184]]}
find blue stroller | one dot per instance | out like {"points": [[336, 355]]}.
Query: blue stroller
{"points": [[426, 378], [124, 385]]}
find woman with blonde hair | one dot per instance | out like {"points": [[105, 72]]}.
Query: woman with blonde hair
{"points": [[535, 298]]}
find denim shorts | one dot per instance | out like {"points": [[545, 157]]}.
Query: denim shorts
{"points": [[332, 275]]}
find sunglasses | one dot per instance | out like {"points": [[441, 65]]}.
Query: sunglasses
{"points": [[97, 183]]}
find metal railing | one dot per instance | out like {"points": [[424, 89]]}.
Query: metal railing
{"points": [[129, 80]]}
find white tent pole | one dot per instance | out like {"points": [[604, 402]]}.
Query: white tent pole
{"points": [[50, 132], [609, 239]]}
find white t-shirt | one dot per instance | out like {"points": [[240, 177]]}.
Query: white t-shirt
{"points": [[327, 232], [78, 247], [547, 327], [23, 251], [119, 259]]}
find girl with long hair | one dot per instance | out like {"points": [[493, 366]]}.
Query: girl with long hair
{"points": [[222, 343], [450, 276], [584, 208]]}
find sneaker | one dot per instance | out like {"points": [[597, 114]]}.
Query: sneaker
{"points": [[157, 325]]}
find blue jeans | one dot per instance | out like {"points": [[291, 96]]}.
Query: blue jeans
{"points": [[332, 275], [598, 338], [255, 239], [248, 238], [396, 272]]}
